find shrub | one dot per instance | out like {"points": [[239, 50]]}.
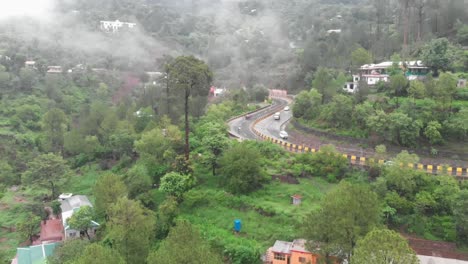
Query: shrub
{"points": [[80, 160], [461, 94], [329, 163]]}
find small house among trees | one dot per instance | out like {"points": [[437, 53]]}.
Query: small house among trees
{"points": [[69, 206], [373, 73], [461, 83], [296, 199], [295, 252]]}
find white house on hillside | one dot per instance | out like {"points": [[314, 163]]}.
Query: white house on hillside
{"points": [[374, 73], [352, 87], [70, 204], [337, 31], [115, 26]]}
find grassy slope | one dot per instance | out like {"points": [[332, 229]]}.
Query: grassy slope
{"points": [[267, 215], [12, 211]]}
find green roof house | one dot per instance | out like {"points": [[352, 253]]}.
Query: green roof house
{"points": [[35, 254]]}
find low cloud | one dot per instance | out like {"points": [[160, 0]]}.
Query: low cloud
{"points": [[26, 8]]}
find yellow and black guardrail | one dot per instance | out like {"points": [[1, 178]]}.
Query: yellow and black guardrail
{"points": [[459, 172]]}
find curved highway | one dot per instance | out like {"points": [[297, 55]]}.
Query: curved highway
{"points": [[271, 127], [243, 128], [261, 125]]}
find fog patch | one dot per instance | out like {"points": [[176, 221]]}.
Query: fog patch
{"points": [[38, 9]]}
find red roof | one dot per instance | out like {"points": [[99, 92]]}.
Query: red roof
{"points": [[51, 230], [297, 196]]}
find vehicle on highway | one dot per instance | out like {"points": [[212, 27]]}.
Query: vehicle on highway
{"points": [[286, 108], [277, 116], [247, 116], [283, 134]]}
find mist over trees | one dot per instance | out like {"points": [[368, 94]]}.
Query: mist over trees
{"points": [[238, 39], [129, 119]]}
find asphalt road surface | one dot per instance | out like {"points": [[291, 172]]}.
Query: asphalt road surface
{"points": [[242, 127], [272, 127]]}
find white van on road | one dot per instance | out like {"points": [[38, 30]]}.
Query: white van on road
{"points": [[277, 116]]}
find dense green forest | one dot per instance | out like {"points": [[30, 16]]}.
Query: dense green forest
{"points": [[128, 122]]}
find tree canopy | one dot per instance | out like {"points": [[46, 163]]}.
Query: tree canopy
{"points": [[81, 219], [108, 189], [184, 244], [176, 184], [192, 76], [130, 229], [241, 171], [437, 54], [347, 213], [96, 253], [47, 170], [382, 246]]}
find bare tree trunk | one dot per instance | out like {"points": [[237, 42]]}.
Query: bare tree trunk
{"points": [[53, 189], [167, 94], [187, 128], [405, 24], [420, 7]]}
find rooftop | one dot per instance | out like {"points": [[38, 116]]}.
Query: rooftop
{"points": [[438, 260], [65, 196], [35, 254], [387, 64], [286, 247], [51, 230], [282, 247], [299, 245], [75, 201]]}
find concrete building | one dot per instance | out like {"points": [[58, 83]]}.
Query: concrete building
{"points": [[374, 73], [284, 252], [439, 260], [30, 64], [70, 204], [54, 69], [462, 83], [296, 199], [337, 31], [215, 91], [34, 254], [352, 87], [116, 26]]}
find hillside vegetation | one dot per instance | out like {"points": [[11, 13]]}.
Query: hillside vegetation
{"points": [[127, 119]]}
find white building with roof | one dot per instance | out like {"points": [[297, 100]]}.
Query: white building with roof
{"points": [[283, 252], [374, 73], [439, 260], [337, 31], [54, 69], [70, 204], [115, 26], [30, 64]]}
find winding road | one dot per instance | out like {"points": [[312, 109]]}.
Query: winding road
{"points": [[262, 126], [266, 126]]}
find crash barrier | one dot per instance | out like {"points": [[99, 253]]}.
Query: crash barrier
{"points": [[239, 116], [435, 169], [356, 160]]}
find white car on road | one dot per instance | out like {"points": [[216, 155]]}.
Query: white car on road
{"points": [[283, 134], [276, 116], [286, 108]]}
